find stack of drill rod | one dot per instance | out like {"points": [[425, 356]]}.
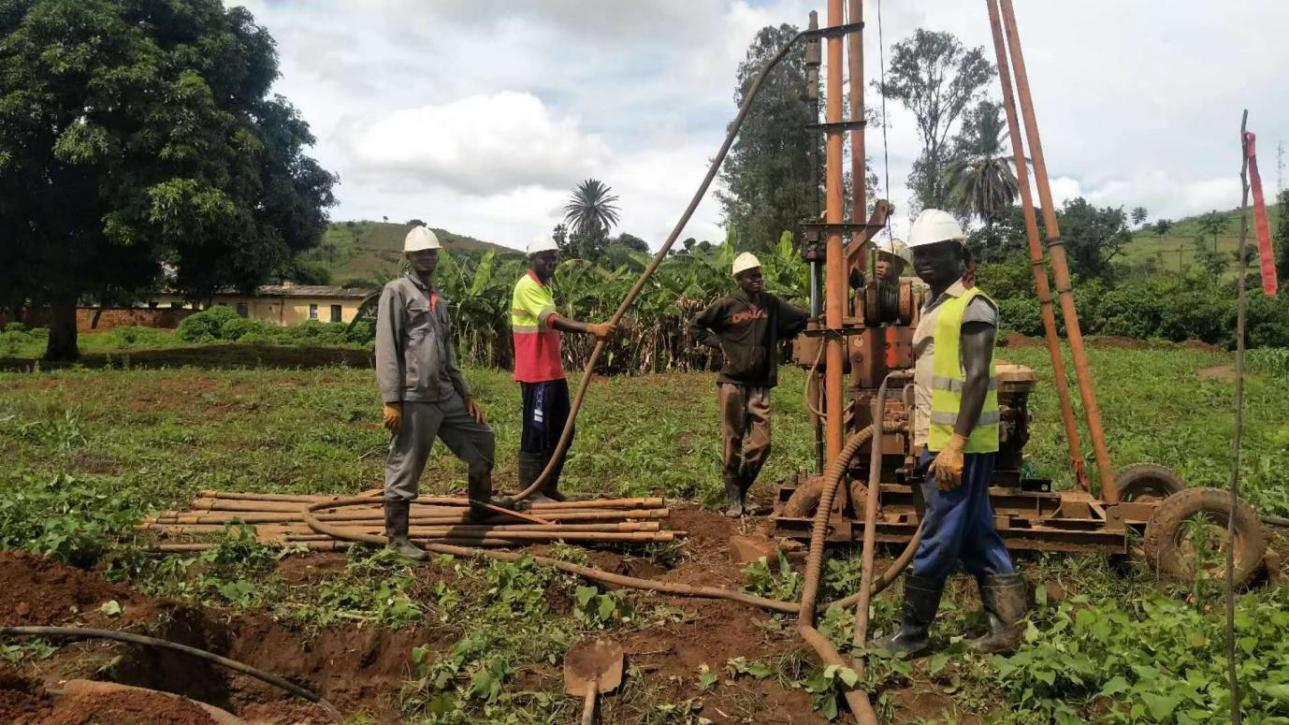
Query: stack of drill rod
{"points": [[279, 519]]}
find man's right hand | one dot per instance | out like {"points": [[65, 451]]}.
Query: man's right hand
{"points": [[393, 414], [601, 330]]}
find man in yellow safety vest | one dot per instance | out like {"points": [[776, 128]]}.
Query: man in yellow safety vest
{"points": [[956, 428]]}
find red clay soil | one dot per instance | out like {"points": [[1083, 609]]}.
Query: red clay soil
{"points": [[22, 700], [41, 592], [125, 708]]}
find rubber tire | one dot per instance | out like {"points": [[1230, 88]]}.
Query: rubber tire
{"points": [[1146, 482], [1165, 524]]}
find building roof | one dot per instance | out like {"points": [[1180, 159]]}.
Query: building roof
{"points": [[307, 290]]}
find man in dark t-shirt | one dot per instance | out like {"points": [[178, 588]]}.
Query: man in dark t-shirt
{"points": [[746, 326]]}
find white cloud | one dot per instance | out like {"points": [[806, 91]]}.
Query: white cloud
{"points": [[480, 145]]}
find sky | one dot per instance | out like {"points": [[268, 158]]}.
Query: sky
{"points": [[480, 116]]}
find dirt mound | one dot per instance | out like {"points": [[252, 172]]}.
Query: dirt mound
{"points": [[38, 591], [1199, 345], [22, 700], [126, 708], [1014, 339]]}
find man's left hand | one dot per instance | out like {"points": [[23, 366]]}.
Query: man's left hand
{"points": [[947, 466], [476, 411]]}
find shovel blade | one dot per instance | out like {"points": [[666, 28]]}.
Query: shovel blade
{"points": [[595, 663]]}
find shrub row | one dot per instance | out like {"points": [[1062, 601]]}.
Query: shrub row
{"points": [[221, 323]]}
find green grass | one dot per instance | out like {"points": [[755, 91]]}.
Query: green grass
{"points": [[1175, 251], [89, 451]]}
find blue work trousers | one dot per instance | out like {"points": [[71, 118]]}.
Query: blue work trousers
{"points": [[959, 524]]}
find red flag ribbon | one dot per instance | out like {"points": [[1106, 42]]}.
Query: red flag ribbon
{"points": [[1266, 257]]}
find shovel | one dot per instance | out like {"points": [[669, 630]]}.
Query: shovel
{"points": [[591, 668]]}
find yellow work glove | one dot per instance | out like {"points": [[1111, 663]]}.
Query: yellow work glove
{"points": [[601, 330], [947, 466], [393, 414]]}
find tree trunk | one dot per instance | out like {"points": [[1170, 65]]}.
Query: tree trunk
{"points": [[62, 333]]}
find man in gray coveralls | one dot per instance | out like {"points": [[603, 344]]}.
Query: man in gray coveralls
{"points": [[424, 394]]}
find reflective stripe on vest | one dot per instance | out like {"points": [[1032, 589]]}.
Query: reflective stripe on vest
{"points": [[949, 379]]}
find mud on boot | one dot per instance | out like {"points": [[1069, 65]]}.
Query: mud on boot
{"points": [[734, 498], [397, 514], [921, 602], [1005, 600]]}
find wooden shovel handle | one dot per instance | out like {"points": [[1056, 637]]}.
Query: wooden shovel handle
{"points": [[588, 705]]}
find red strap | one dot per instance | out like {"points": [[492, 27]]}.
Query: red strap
{"points": [[1266, 256], [434, 301]]}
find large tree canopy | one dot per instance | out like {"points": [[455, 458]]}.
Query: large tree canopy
{"points": [[138, 139]]}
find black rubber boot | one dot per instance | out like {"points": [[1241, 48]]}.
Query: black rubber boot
{"points": [[733, 497], [551, 489], [480, 492], [1005, 600], [745, 484], [396, 526], [531, 466], [921, 601]]}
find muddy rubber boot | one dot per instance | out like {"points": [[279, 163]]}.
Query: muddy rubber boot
{"points": [[551, 489], [1005, 600], [921, 601], [733, 497], [745, 485], [397, 514], [480, 491], [531, 466]]}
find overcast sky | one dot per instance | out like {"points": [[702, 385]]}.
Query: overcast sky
{"points": [[479, 116]]}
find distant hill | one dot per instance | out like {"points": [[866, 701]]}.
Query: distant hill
{"points": [[372, 252], [1176, 248]]}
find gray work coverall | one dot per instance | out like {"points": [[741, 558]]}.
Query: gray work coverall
{"points": [[415, 366]]}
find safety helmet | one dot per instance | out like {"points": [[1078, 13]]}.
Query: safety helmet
{"points": [[896, 248], [744, 262], [933, 226], [542, 243], [420, 238]]}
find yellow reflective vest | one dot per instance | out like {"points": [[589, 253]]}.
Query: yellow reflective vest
{"points": [[949, 379]]}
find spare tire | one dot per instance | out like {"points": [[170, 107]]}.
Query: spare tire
{"points": [[1147, 482], [1166, 542]]}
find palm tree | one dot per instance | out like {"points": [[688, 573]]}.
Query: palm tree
{"points": [[981, 180], [591, 211]]}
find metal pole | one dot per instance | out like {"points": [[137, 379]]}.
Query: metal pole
{"points": [[1060, 269], [1036, 254], [835, 279], [858, 174]]}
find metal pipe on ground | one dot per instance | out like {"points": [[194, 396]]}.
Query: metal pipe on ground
{"points": [[1060, 267], [1037, 266]]}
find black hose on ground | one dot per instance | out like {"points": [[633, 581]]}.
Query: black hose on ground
{"points": [[139, 639]]}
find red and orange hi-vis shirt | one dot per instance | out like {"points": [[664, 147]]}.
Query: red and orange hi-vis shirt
{"points": [[537, 344]]}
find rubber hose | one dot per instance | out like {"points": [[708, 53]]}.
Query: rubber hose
{"points": [[80, 633], [819, 530], [566, 436], [860, 633]]}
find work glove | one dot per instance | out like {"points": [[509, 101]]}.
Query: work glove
{"points": [[476, 411], [601, 330], [947, 466], [393, 414]]}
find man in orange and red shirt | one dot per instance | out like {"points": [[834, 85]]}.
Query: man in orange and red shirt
{"points": [[539, 367]]}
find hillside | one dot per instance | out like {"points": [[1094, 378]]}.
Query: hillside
{"points": [[1176, 249], [372, 251]]}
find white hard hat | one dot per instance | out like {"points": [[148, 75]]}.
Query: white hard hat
{"points": [[744, 262], [420, 238], [896, 248], [542, 243], [934, 226]]}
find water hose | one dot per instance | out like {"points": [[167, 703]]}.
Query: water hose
{"points": [[566, 437], [139, 639]]}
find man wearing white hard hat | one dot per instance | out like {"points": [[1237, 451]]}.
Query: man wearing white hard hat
{"points": [[893, 257], [424, 394], [539, 366], [746, 327], [955, 425]]}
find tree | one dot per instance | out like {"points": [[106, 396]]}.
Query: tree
{"points": [[768, 174], [1213, 261], [1092, 237], [1162, 227], [591, 213], [1212, 224], [632, 242], [937, 79], [1139, 215], [140, 136], [980, 180]]}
